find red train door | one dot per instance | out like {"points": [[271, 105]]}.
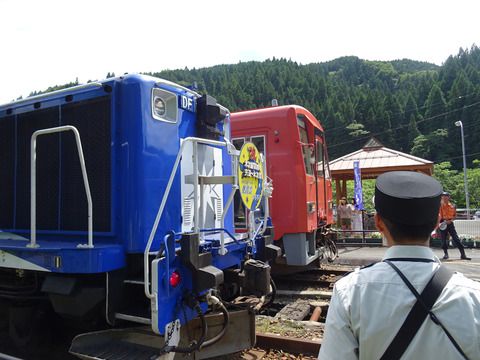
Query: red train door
{"points": [[320, 178], [322, 173], [306, 133]]}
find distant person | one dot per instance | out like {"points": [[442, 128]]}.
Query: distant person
{"points": [[447, 214], [344, 214], [368, 221], [477, 215], [356, 216], [374, 312]]}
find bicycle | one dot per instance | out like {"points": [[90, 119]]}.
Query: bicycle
{"points": [[327, 244]]}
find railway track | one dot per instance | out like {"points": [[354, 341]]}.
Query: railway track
{"points": [[301, 297], [303, 291], [315, 282]]}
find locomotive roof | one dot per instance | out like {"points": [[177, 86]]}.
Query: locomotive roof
{"points": [[91, 85], [279, 111]]}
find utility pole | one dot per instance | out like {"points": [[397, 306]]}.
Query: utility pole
{"points": [[467, 197]]}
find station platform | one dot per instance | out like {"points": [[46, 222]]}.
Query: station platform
{"points": [[364, 255]]}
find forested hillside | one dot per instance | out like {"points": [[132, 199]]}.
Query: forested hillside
{"points": [[408, 105]]}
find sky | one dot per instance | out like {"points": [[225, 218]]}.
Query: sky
{"points": [[50, 42]]}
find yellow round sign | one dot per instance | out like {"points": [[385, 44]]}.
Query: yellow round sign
{"points": [[250, 176]]}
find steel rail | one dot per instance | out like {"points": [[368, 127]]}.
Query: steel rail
{"points": [[288, 344]]}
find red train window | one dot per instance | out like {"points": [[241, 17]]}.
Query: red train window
{"points": [[307, 150], [319, 157]]}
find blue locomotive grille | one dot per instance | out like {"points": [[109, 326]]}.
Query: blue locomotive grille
{"points": [[7, 166], [61, 199]]}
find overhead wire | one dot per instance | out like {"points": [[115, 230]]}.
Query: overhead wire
{"points": [[458, 157], [434, 105], [404, 125]]}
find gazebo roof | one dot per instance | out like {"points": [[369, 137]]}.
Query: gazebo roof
{"points": [[375, 159]]}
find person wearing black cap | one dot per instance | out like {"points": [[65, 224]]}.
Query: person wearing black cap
{"points": [[375, 312], [446, 215]]}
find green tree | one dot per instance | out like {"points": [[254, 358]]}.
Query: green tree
{"points": [[435, 109], [421, 147], [356, 129]]}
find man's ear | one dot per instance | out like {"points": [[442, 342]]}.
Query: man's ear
{"points": [[379, 223]]}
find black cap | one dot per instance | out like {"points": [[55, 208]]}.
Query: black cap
{"points": [[407, 197], [445, 193]]}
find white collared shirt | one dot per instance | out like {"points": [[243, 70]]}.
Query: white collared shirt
{"points": [[369, 306]]}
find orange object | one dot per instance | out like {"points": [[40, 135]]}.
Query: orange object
{"points": [[316, 314], [447, 211]]}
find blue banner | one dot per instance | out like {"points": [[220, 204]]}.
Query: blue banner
{"points": [[358, 186]]}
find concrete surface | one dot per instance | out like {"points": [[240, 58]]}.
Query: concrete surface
{"points": [[363, 255]]}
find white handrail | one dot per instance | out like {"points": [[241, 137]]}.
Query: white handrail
{"points": [[146, 263], [267, 194], [228, 204], [33, 183]]}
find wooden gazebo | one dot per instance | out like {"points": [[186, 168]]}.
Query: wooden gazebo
{"points": [[374, 159]]}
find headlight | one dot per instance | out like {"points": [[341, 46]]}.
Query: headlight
{"points": [[159, 106]]}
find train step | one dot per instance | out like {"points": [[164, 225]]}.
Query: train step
{"points": [[140, 343], [134, 343]]}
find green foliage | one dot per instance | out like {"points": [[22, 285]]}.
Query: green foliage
{"points": [[55, 88], [453, 182], [421, 147], [449, 178], [356, 129], [407, 105]]}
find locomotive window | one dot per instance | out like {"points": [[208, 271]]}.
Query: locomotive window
{"points": [[259, 142], [319, 157], [164, 105], [307, 151], [238, 143], [326, 168]]}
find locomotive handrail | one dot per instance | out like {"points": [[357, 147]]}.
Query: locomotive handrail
{"points": [[33, 183], [232, 150], [194, 141], [267, 193]]}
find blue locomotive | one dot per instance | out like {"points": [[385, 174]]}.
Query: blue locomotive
{"points": [[116, 203]]}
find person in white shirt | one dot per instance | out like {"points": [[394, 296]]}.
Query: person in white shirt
{"points": [[357, 225], [370, 306]]}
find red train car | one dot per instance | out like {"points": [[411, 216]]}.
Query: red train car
{"points": [[293, 143]]}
